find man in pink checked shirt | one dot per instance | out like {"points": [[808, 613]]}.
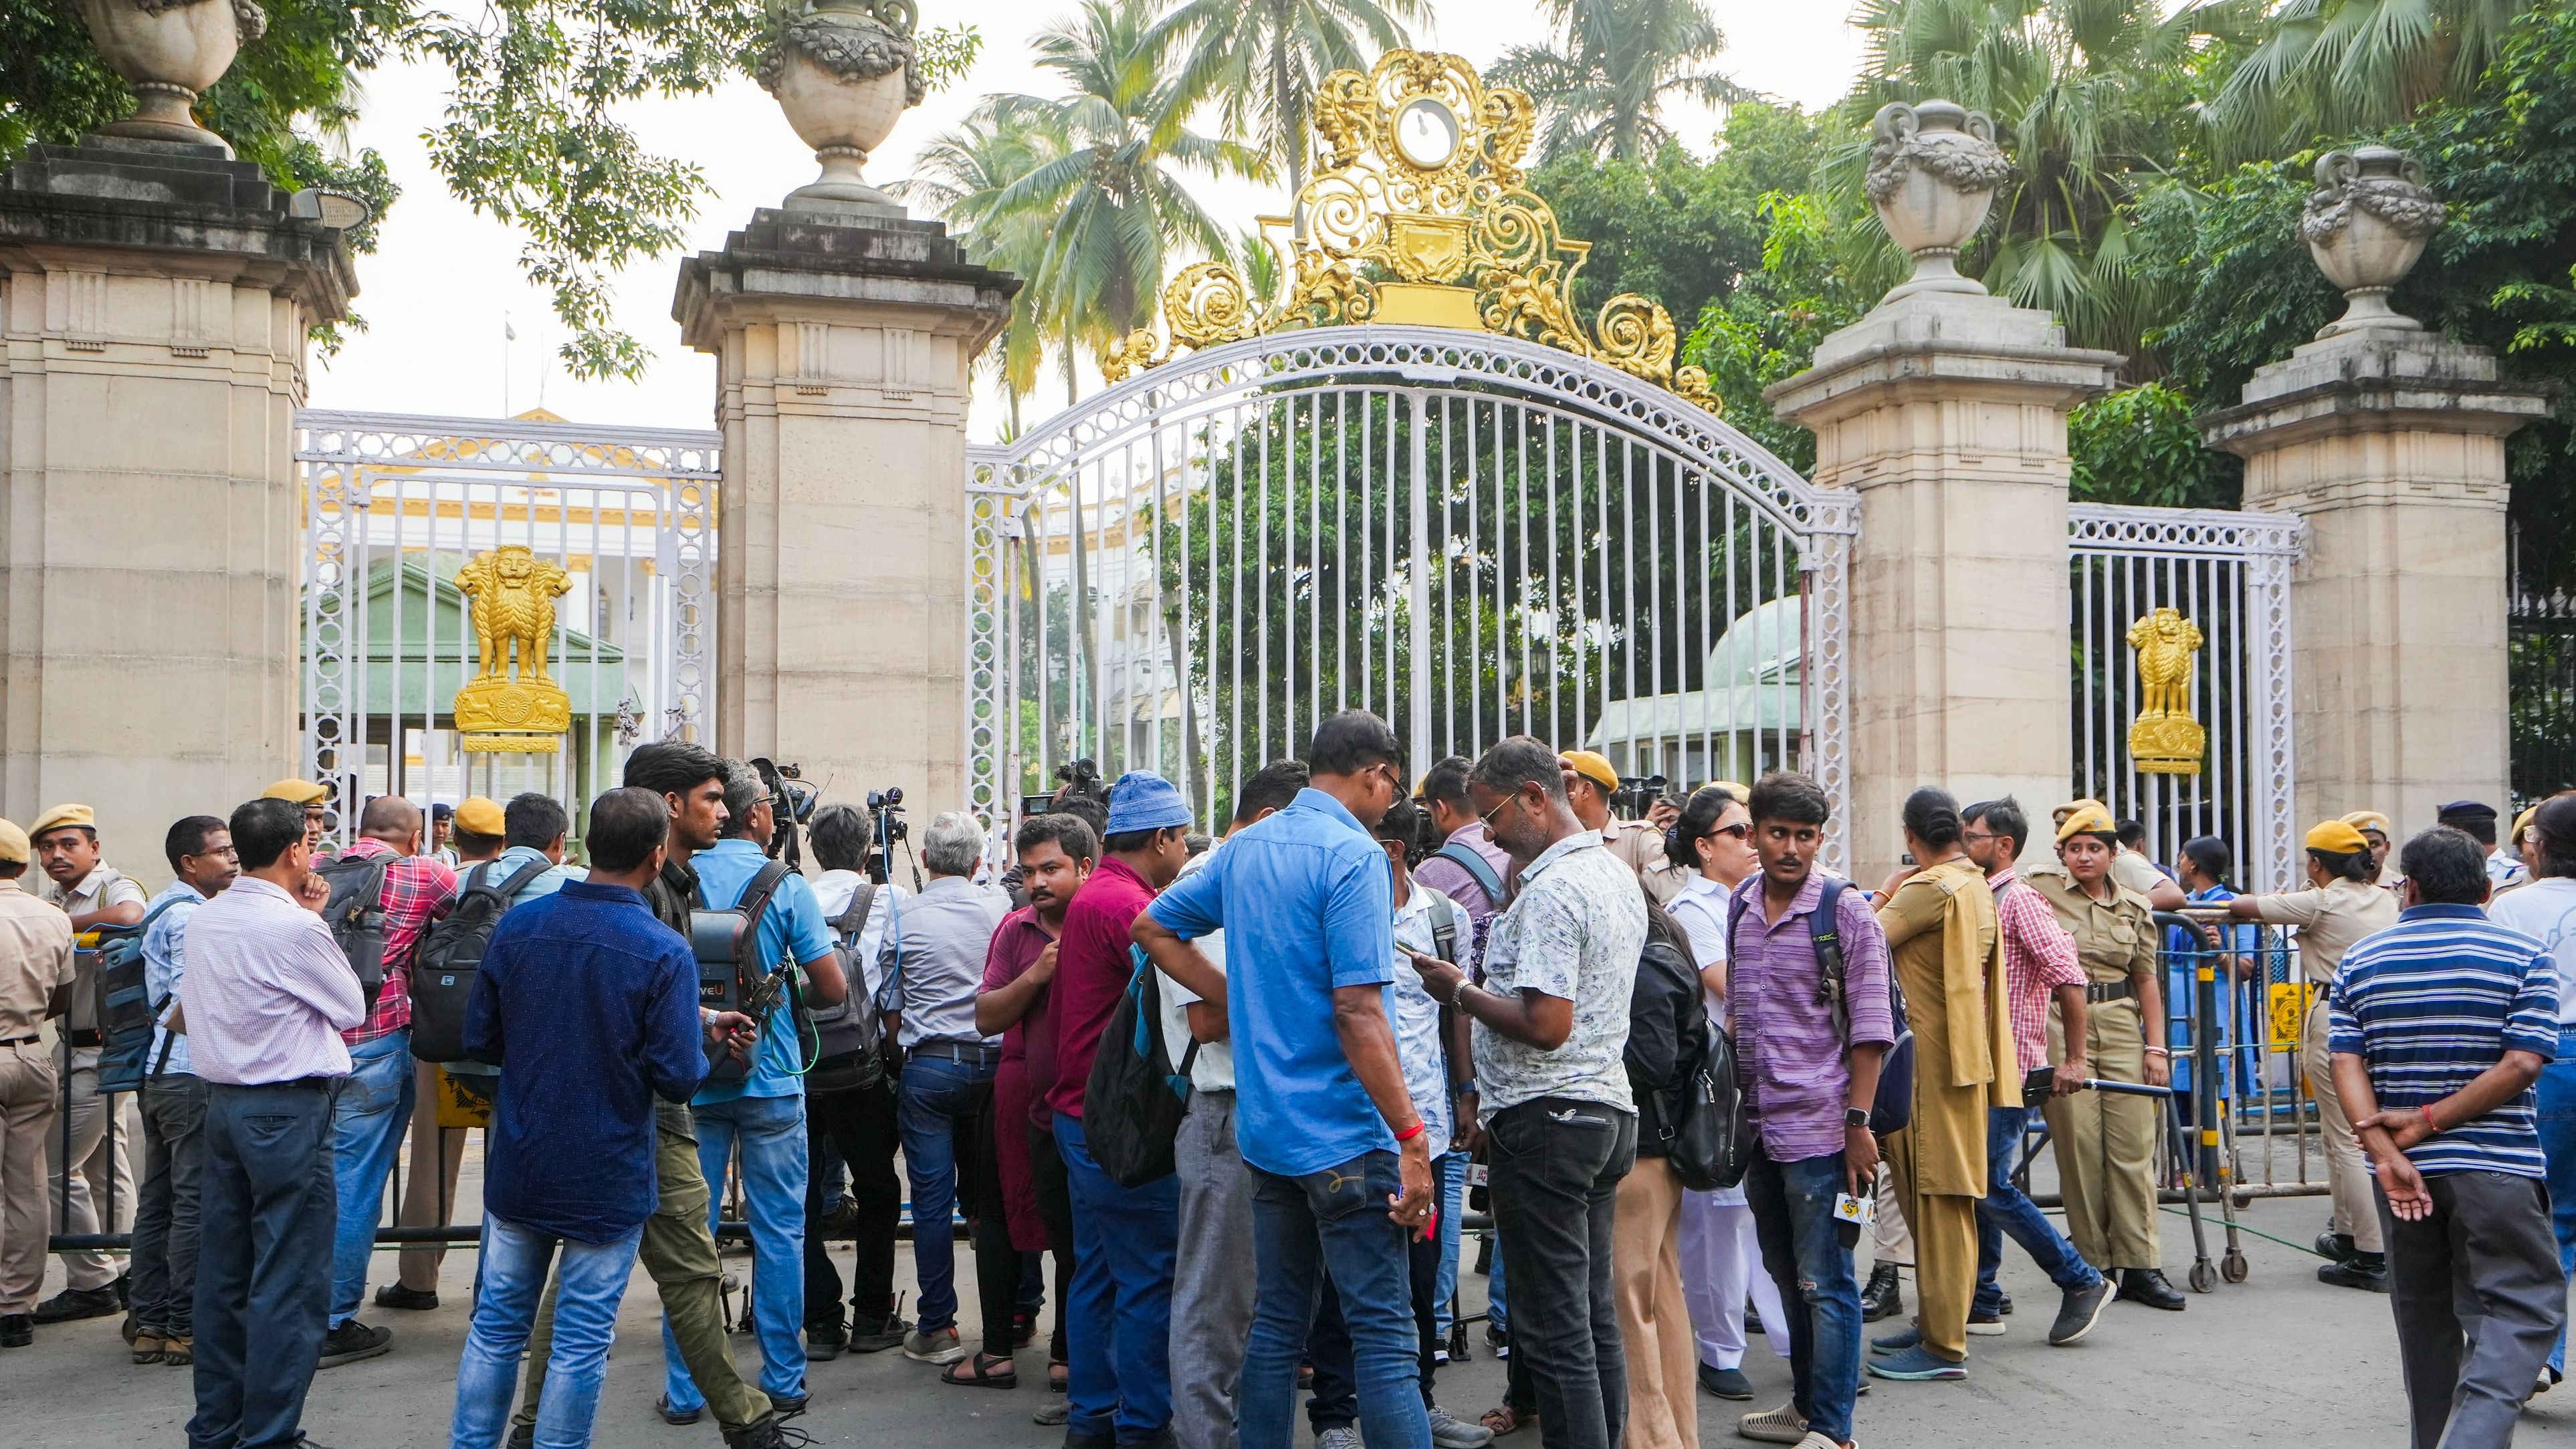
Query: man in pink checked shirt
{"points": [[2039, 963]]}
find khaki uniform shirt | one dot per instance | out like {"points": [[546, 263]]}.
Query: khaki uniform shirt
{"points": [[1640, 847], [103, 887], [2114, 939], [35, 959], [1948, 951], [2137, 873], [2330, 919]]}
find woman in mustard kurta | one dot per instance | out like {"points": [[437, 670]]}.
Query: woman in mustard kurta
{"points": [[1940, 924]]}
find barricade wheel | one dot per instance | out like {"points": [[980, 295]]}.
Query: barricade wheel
{"points": [[2204, 1278], [2234, 1267]]}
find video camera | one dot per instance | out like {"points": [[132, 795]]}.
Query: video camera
{"points": [[1080, 779], [791, 804], [885, 810], [1635, 795]]}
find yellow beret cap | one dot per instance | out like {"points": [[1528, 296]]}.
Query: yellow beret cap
{"points": [[1593, 767], [296, 792], [2522, 824], [480, 815], [2086, 818], [2370, 820], [2070, 807], [2337, 837], [60, 816], [14, 848]]}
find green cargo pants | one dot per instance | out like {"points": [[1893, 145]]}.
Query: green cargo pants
{"points": [[679, 1252]]}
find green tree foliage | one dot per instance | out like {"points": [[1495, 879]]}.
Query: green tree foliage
{"points": [[2139, 445], [2336, 67], [963, 175], [1260, 62], [1614, 64]]}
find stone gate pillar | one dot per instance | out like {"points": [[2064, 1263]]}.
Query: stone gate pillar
{"points": [[155, 296], [2389, 441], [1945, 409]]}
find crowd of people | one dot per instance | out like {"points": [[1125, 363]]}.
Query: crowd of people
{"points": [[1684, 1068]]}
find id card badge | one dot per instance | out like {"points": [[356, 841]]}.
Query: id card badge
{"points": [[1476, 1174], [1851, 1214]]}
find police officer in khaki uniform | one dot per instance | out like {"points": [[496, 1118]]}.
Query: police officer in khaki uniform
{"points": [[1590, 781], [2375, 829], [2342, 904], [2106, 1141], [2129, 867], [36, 976]]}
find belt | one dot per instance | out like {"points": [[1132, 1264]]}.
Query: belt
{"points": [[2120, 990], [956, 1051], [90, 1038], [296, 1084], [20, 1041]]}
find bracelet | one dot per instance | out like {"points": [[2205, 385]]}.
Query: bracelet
{"points": [[2160, 1052], [2429, 1124], [1458, 994], [1409, 1133]]}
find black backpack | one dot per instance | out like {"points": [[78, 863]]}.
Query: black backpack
{"points": [[1893, 1108], [451, 956], [1712, 1142], [356, 914], [125, 1011], [849, 1053], [726, 943], [1134, 1100]]}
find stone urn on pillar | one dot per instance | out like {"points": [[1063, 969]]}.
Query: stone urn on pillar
{"points": [[844, 71], [1933, 170], [2366, 224], [168, 51]]}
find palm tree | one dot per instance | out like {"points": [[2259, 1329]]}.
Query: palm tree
{"points": [[962, 176], [1111, 205], [1603, 83], [2337, 67], [1263, 60]]}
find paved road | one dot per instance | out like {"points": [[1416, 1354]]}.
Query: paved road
{"points": [[2280, 1359]]}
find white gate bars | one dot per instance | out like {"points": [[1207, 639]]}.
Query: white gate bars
{"points": [[395, 505], [2229, 574], [1470, 535]]}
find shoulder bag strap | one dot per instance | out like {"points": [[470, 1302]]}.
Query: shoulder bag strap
{"points": [[1478, 869]]}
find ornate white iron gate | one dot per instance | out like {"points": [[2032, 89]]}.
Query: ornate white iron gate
{"points": [[2226, 577], [396, 506], [1471, 535]]}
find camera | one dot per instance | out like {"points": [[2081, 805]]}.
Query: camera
{"points": [[789, 794], [1079, 779], [1636, 793], [887, 806]]}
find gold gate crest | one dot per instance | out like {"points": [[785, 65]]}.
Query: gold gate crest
{"points": [[2165, 739], [498, 711]]}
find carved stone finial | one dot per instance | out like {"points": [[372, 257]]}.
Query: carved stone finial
{"points": [[1933, 171], [168, 51], [2366, 224], [844, 71]]}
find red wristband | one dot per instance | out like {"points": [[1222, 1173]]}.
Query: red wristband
{"points": [[2429, 1124], [1409, 1133]]}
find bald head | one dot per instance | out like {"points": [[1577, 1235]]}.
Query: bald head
{"points": [[393, 820]]}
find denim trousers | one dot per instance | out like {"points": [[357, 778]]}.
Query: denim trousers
{"points": [[771, 1132], [1335, 1223], [265, 1210], [1335, 1401], [1803, 1247], [589, 1285], [1453, 1209], [1119, 1313], [164, 1288], [2007, 1210], [936, 1099], [367, 1126], [2557, 1099], [1555, 1168]]}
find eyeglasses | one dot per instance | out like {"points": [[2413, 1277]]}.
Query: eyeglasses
{"points": [[1488, 816], [1741, 829], [1979, 835]]}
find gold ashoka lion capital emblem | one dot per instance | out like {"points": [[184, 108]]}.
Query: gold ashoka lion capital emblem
{"points": [[2165, 739], [511, 704]]}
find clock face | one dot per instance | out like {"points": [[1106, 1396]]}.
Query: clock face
{"points": [[1426, 133]]}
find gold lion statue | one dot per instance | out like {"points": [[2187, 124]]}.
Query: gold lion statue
{"points": [[514, 594], [2166, 642]]}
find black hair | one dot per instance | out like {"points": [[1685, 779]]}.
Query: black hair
{"points": [[2212, 858], [2554, 826], [265, 829], [2002, 817], [1352, 741], [2130, 832], [1706, 806], [1931, 815], [1128, 842], [1789, 796], [744, 790], [1269, 788], [2478, 825], [2348, 864], [2447, 866], [1446, 782], [536, 819], [1071, 833], [468, 843], [1090, 809], [625, 824], [188, 837], [672, 767], [12, 869], [1404, 823], [1517, 761], [839, 837]]}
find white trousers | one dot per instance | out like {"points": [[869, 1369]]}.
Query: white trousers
{"points": [[1721, 1268]]}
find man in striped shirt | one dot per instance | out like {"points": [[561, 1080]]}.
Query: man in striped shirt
{"points": [[2441, 1024]]}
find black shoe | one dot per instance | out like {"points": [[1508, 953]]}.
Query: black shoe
{"points": [[395, 1295], [17, 1330], [1725, 1383], [877, 1337], [1076, 1439], [2003, 1304], [522, 1436], [768, 1433], [2335, 1247], [1499, 1340], [788, 1406], [2365, 1271], [352, 1341], [1162, 1440], [2076, 1316], [124, 1286], [2148, 1286], [73, 1303], [1882, 1298], [825, 1344], [662, 1406]]}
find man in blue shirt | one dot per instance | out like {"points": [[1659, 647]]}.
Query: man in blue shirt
{"points": [[1326, 1124], [2439, 1026], [590, 1008], [164, 1264], [763, 1110]]}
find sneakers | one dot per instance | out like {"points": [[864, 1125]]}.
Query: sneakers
{"points": [[1499, 1340], [768, 1433], [1451, 1432], [1053, 1412], [1882, 1298], [1725, 1383], [147, 1348], [1775, 1426], [1340, 1436], [180, 1351], [2148, 1286], [352, 1341], [1897, 1342], [1916, 1365], [879, 1335], [2079, 1312], [417, 1300], [941, 1346], [1989, 1324], [662, 1406], [76, 1303], [824, 1342], [2365, 1271]]}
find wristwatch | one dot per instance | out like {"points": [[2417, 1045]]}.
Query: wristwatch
{"points": [[1855, 1116]]}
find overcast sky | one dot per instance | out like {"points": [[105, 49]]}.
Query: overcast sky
{"points": [[437, 292]]}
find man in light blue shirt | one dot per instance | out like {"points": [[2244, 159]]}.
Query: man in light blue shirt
{"points": [[164, 1266], [764, 1109], [1326, 1123], [538, 827]]}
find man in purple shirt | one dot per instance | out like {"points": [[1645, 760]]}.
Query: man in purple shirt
{"points": [[1808, 1081]]}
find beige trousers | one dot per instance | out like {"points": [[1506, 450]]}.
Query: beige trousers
{"points": [[429, 1197], [1944, 1231], [2355, 1211], [2105, 1144], [1654, 1318], [1890, 1239], [29, 1096]]}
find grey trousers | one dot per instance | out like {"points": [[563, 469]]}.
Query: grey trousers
{"points": [[2479, 1299], [1212, 1278]]}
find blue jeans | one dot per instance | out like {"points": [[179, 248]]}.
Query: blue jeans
{"points": [[264, 1214], [512, 1278], [934, 1098], [1303, 1228], [1453, 1207], [2557, 1099], [772, 1133], [2007, 1209], [1803, 1247], [1118, 1318], [367, 1126], [1497, 1313]]}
